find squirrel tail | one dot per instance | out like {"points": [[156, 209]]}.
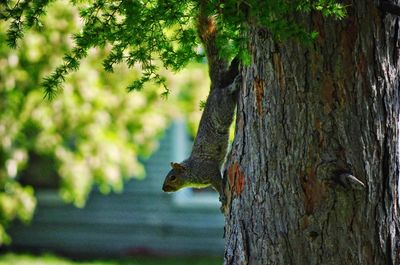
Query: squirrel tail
{"points": [[208, 32]]}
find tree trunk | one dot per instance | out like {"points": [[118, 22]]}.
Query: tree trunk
{"points": [[308, 119]]}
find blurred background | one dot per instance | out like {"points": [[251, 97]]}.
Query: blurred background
{"points": [[59, 158]]}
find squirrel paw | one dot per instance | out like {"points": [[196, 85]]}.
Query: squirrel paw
{"points": [[235, 86], [223, 200]]}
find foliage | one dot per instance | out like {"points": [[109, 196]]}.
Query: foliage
{"points": [[93, 132], [142, 32], [11, 259]]}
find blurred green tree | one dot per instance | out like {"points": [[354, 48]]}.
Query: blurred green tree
{"points": [[91, 133]]}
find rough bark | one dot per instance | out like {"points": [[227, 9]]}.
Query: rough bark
{"points": [[305, 116]]}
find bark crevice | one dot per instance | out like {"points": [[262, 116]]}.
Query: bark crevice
{"points": [[318, 112]]}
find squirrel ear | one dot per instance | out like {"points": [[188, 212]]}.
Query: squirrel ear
{"points": [[177, 166]]}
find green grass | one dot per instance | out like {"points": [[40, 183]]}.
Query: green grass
{"points": [[14, 259]]}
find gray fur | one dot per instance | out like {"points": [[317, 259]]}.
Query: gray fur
{"points": [[202, 168]]}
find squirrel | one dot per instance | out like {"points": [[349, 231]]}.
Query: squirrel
{"points": [[202, 168]]}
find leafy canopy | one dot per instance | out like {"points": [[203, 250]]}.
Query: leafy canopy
{"points": [[142, 32], [90, 135]]}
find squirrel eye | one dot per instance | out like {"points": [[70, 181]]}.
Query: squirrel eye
{"points": [[172, 178]]}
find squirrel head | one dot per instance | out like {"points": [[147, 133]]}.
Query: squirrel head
{"points": [[175, 178]]}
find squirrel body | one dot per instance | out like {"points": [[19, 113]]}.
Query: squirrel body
{"points": [[203, 167]]}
